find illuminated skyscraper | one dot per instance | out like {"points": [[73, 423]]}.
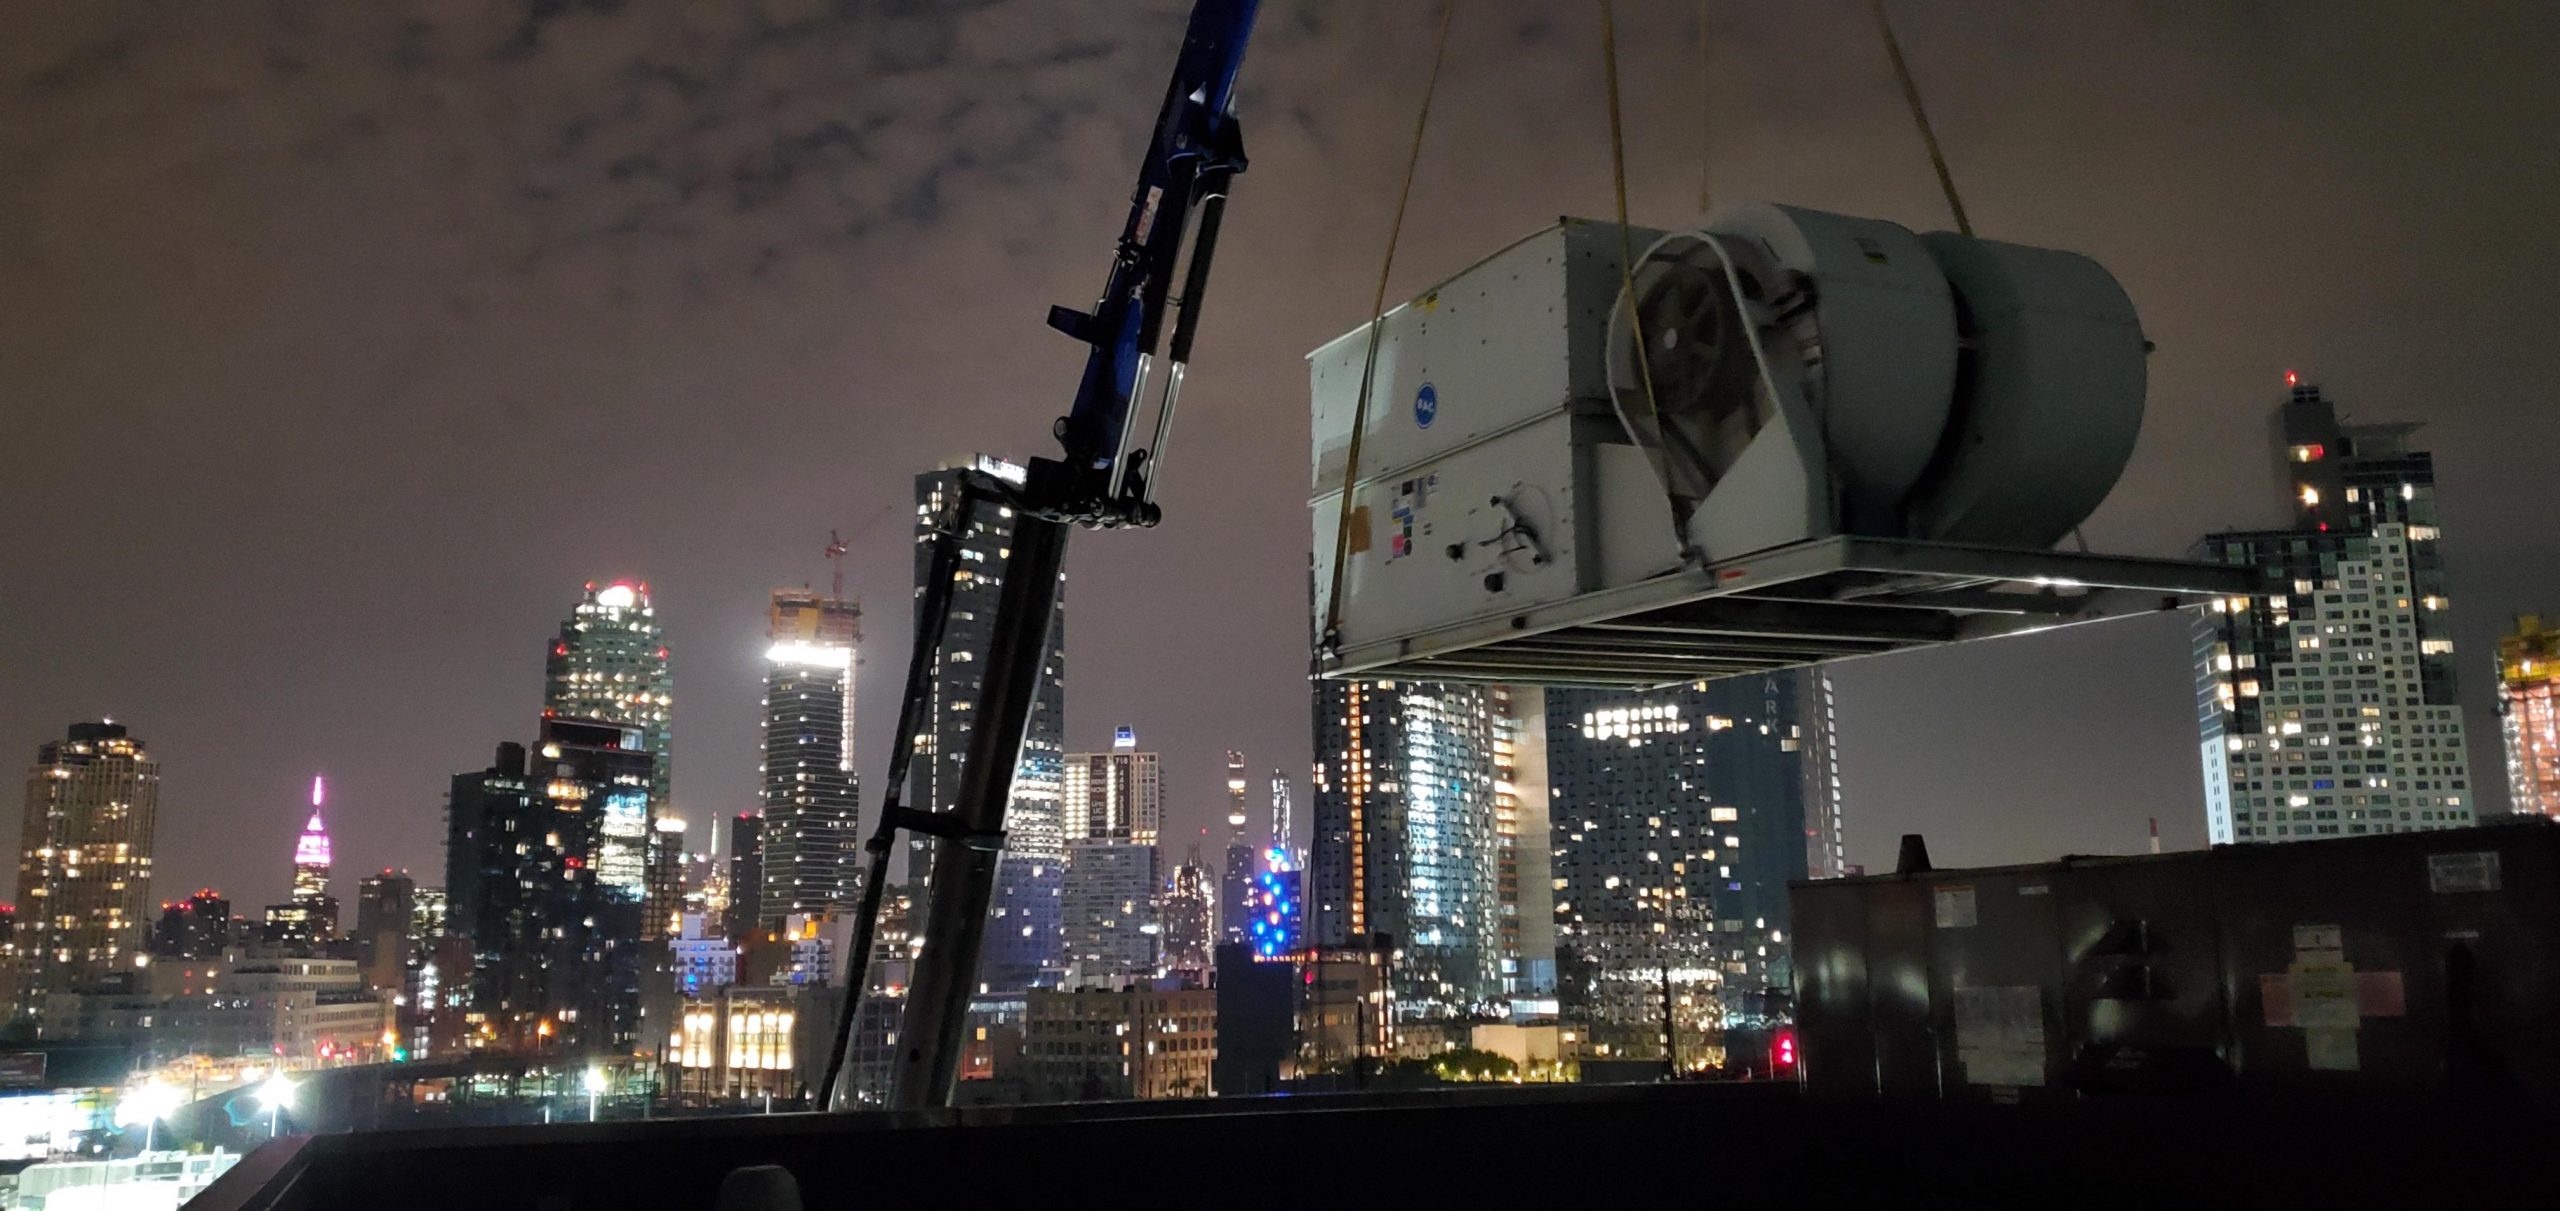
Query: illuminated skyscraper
{"points": [[1677, 820], [746, 876], [84, 864], [1275, 926], [517, 884], [2529, 715], [812, 845], [1109, 906], [1284, 820], [1236, 870], [1115, 796], [1114, 808], [555, 940], [609, 664], [311, 851], [2326, 700], [1186, 914], [663, 903], [1826, 845], [308, 916], [1406, 841], [1526, 955], [1024, 935]]}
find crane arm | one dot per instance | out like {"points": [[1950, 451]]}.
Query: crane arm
{"points": [[1195, 150]]}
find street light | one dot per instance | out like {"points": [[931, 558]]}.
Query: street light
{"points": [[147, 1106], [595, 1091], [276, 1095]]}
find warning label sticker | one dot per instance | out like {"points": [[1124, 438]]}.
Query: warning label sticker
{"points": [[1405, 514], [2450, 873], [1955, 908], [2000, 1035]]}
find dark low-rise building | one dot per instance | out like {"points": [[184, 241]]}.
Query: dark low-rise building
{"points": [[2408, 967]]}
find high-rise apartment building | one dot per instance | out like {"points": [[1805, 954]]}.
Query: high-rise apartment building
{"points": [[1115, 796], [1520, 791], [746, 876], [512, 892], [1186, 913], [609, 664], [1114, 813], [1677, 819], [554, 944], [1109, 907], [386, 910], [84, 858], [2529, 715], [486, 813], [1024, 934], [1284, 821], [1826, 840], [602, 770], [428, 912], [386, 905], [1407, 848], [812, 797], [2326, 700], [662, 914]]}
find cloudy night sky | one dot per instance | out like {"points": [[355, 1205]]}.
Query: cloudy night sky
{"points": [[340, 343]]}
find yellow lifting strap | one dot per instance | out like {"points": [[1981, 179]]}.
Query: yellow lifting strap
{"points": [[1618, 180], [1919, 116], [1378, 302], [1377, 320]]}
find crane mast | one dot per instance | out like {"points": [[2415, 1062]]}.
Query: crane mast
{"points": [[1099, 479]]}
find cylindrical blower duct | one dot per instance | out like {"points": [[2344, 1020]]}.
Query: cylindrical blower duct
{"points": [[1963, 390], [2050, 400]]}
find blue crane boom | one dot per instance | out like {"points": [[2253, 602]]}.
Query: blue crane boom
{"points": [[1193, 153], [1196, 150]]}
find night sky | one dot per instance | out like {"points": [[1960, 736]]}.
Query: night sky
{"points": [[340, 343]]}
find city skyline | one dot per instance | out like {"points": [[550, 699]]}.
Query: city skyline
{"points": [[1680, 673], [352, 612]]}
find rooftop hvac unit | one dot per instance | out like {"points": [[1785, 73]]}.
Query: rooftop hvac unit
{"points": [[1816, 436]]}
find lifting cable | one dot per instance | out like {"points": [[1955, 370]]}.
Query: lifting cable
{"points": [[1378, 302], [1618, 181], [1928, 139], [1706, 119], [1919, 116], [1377, 321]]}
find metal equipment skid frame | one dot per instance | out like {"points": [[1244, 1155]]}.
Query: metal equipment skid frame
{"points": [[1807, 602]]}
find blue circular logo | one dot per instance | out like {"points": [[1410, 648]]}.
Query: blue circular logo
{"points": [[1426, 405]]}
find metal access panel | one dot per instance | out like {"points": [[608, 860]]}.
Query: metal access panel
{"points": [[1486, 467], [1505, 527]]}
